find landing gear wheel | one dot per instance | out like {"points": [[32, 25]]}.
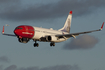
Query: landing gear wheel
{"points": [[19, 39], [36, 44], [52, 44]]}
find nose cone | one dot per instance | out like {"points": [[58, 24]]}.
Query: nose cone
{"points": [[16, 32]]}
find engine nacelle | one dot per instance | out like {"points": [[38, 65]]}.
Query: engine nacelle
{"points": [[23, 40], [51, 38]]}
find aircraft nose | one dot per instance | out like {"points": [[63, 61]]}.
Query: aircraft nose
{"points": [[16, 32]]}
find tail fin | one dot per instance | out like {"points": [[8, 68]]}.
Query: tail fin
{"points": [[67, 24]]}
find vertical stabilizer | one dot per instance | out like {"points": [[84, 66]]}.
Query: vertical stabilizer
{"points": [[67, 24]]}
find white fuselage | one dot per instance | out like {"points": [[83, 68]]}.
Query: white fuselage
{"points": [[43, 32]]}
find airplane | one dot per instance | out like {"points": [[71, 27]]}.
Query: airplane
{"points": [[24, 33]]}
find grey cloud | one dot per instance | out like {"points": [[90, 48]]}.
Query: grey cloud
{"points": [[1, 67], [4, 59], [58, 67], [53, 10], [12, 67], [29, 68], [82, 42], [62, 67], [7, 6], [8, 1], [5, 1]]}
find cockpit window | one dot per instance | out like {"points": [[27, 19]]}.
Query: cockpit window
{"points": [[19, 28]]}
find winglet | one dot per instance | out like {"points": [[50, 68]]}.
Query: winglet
{"points": [[3, 30], [70, 12], [102, 26]]}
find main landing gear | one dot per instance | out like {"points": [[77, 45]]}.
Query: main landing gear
{"points": [[36, 44], [52, 44]]}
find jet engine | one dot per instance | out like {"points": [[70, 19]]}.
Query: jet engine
{"points": [[23, 40], [51, 38]]}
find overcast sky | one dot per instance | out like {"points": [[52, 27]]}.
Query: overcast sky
{"points": [[86, 52]]}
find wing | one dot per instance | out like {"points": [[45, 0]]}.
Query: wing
{"points": [[76, 34], [7, 34]]}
